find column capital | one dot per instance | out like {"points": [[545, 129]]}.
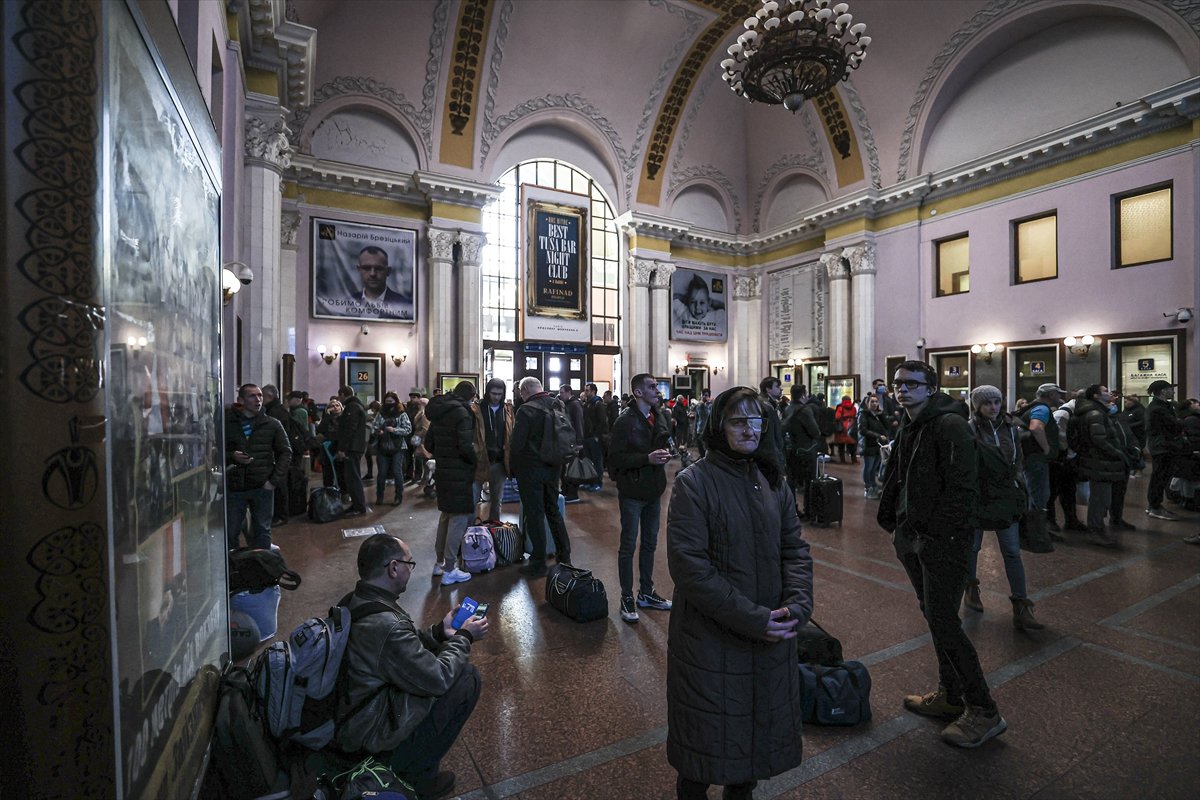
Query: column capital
{"points": [[289, 227], [861, 258], [836, 266], [640, 272], [266, 139], [472, 247], [661, 279], [441, 245], [747, 287]]}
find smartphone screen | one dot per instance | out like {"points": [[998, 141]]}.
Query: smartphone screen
{"points": [[465, 612], [481, 610]]}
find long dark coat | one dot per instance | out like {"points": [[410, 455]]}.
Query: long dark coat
{"points": [[735, 553], [451, 440]]}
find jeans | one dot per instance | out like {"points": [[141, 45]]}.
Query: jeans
{"points": [[1159, 479], [634, 514], [939, 575], [538, 486], [1010, 548], [593, 450], [416, 759], [261, 503], [1062, 486], [1116, 509], [1037, 478], [354, 482], [1099, 500], [390, 466], [870, 470], [451, 528], [496, 476]]}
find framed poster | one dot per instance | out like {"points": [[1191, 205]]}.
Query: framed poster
{"points": [[447, 381], [698, 306], [363, 271], [839, 386], [556, 252]]}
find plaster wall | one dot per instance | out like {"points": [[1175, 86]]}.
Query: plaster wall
{"points": [[899, 305], [699, 206]]}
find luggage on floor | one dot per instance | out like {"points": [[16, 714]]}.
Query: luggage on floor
{"points": [[507, 538], [510, 493], [244, 754], [478, 550], [262, 607], [839, 695], [550, 548], [576, 593], [325, 503], [297, 492], [255, 568], [815, 645], [824, 502]]}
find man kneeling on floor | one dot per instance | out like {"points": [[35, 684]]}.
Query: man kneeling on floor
{"points": [[413, 689]]}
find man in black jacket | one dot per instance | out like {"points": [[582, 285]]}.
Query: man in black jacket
{"points": [[537, 479], [637, 454], [351, 445], [802, 441], [257, 454], [930, 488], [770, 390], [1101, 460], [1164, 440], [575, 414], [276, 410], [595, 431]]}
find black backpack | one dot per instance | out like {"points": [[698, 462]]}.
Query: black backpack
{"points": [[254, 569], [245, 756], [558, 436]]}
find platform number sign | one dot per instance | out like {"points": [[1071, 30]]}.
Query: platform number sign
{"points": [[1145, 365], [1037, 367], [362, 376]]}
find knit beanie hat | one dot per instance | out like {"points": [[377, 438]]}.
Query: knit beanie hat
{"points": [[983, 394]]}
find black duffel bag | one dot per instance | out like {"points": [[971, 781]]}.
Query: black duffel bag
{"points": [[253, 569], [576, 593], [838, 695], [815, 645]]}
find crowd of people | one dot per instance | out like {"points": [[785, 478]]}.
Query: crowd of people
{"points": [[944, 470]]}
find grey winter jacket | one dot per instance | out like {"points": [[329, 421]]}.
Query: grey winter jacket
{"points": [[735, 552], [402, 669]]}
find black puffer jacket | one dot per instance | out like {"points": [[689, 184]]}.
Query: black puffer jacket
{"points": [[874, 431], [735, 553], [801, 432], [1100, 447], [451, 440], [267, 445], [930, 485], [628, 454], [352, 427], [1164, 432]]}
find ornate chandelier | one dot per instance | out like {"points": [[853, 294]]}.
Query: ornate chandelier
{"points": [[794, 50]]}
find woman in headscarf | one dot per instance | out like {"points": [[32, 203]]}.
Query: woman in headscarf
{"points": [[743, 584]]}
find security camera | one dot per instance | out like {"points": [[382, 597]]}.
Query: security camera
{"points": [[1184, 315], [365, 329], [245, 275]]}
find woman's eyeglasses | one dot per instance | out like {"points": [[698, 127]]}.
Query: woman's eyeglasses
{"points": [[747, 423]]}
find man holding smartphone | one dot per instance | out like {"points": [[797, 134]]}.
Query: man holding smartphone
{"points": [[257, 454], [410, 690]]}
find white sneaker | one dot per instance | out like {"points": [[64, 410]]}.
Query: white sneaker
{"points": [[437, 569], [455, 576]]}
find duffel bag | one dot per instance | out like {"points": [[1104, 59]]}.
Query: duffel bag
{"points": [[325, 504], [815, 645], [838, 695], [478, 550], [252, 569], [576, 593]]}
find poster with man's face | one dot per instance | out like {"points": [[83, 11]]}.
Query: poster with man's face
{"points": [[698, 306], [363, 271]]}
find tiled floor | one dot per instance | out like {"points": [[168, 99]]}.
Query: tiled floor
{"points": [[1105, 703]]}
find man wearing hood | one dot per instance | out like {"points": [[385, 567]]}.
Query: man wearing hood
{"points": [[930, 489], [451, 440], [493, 432], [1094, 436]]}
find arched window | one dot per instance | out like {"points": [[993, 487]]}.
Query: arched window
{"points": [[500, 288]]}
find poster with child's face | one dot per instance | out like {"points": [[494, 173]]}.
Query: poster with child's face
{"points": [[698, 306]]}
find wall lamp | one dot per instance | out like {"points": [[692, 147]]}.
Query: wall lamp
{"points": [[323, 353], [681, 367], [232, 282], [984, 351], [400, 358], [136, 344], [717, 368], [1080, 346]]}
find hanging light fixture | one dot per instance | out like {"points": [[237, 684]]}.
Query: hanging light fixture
{"points": [[794, 50]]}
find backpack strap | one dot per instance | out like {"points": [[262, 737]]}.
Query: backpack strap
{"points": [[361, 612]]}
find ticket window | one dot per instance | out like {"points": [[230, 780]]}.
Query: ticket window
{"points": [[1138, 364], [1032, 367], [954, 374]]}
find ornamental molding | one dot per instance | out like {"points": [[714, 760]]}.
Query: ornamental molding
{"points": [[708, 172], [554, 102], [640, 272], [861, 258], [1188, 10], [788, 163], [639, 224], [289, 228], [309, 171], [499, 39], [661, 279], [349, 86], [441, 246], [836, 266], [747, 287], [457, 191], [279, 43], [472, 248], [863, 127], [266, 140]]}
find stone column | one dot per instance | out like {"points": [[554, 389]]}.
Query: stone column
{"points": [[660, 318], [747, 350], [289, 303], [442, 297], [862, 310], [637, 348], [470, 353], [268, 153], [839, 312]]}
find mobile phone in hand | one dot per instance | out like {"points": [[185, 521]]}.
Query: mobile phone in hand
{"points": [[482, 610], [465, 612]]}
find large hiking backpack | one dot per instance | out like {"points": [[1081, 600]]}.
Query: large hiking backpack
{"points": [[244, 754], [295, 680], [558, 437]]}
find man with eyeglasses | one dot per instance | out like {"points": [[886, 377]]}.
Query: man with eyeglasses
{"points": [[409, 691], [375, 298], [930, 488], [638, 452]]}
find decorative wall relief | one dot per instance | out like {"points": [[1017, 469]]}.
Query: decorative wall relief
{"points": [[464, 74], [835, 121]]}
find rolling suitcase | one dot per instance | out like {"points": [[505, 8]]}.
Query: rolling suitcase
{"points": [[825, 497]]}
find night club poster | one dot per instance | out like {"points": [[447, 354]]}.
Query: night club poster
{"points": [[555, 256], [363, 272], [698, 312], [163, 406]]}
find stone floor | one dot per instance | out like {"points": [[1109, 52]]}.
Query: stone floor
{"points": [[1104, 703]]}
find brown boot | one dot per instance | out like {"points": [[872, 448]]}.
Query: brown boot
{"points": [[1023, 619], [971, 598]]}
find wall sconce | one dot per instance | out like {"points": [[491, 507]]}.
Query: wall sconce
{"points": [[681, 367], [984, 351], [718, 367], [136, 344], [230, 285], [791, 362], [329, 357], [400, 358], [1081, 346]]}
